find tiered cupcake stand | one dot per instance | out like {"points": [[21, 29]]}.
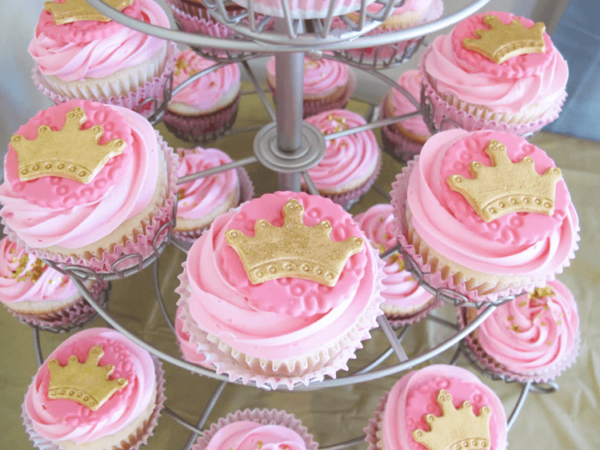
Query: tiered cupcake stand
{"points": [[291, 147]]}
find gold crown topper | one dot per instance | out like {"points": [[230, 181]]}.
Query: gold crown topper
{"points": [[69, 153], [455, 429], [293, 250], [502, 42], [87, 384], [78, 10], [506, 187]]}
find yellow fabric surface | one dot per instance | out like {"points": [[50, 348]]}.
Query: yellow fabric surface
{"points": [[568, 419]]}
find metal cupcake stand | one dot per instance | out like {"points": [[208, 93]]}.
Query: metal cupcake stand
{"points": [[291, 147]]}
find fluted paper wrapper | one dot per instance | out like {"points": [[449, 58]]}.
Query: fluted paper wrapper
{"points": [[397, 321], [400, 145], [373, 431], [304, 9]]}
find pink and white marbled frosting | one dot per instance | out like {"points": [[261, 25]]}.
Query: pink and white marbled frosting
{"points": [[400, 105], [247, 435]]}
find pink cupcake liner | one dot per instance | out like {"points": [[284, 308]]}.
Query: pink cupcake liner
{"points": [[200, 25], [304, 9], [152, 89], [134, 442], [539, 376], [372, 431], [264, 417], [399, 145], [435, 279], [143, 244], [397, 322]]}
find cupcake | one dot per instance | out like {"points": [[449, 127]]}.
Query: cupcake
{"points": [[404, 300], [81, 54], [207, 106], [405, 139], [248, 429], [97, 390], [351, 163], [532, 338], [304, 9], [292, 315], [87, 184], [485, 213], [328, 84], [495, 71], [438, 407], [202, 200], [186, 346]]}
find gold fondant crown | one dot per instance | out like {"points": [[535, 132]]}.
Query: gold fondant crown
{"points": [[502, 42], [69, 153], [506, 187], [76, 10], [87, 384], [455, 429], [293, 250]]}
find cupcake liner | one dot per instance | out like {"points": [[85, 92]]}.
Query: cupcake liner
{"points": [[264, 417], [135, 440], [321, 362], [435, 278], [151, 89], [399, 145], [397, 322], [373, 433], [198, 22], [304, 9], [138, 241], [477, 354]]}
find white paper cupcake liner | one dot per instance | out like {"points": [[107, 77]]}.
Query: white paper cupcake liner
{"points": [[373, 432], [399, 145], [398, 321]]}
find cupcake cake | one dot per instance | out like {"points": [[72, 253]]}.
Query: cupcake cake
{"points": [[82, 54], [532, 338], [250, 429], [438, 407], [351, 163], [328, 84], [495, 71], [262, 305], [404, 300], [86, 184], [207, 106], [97, 390], [200, 201], [485, 213], [405, 139], [303, 9]]}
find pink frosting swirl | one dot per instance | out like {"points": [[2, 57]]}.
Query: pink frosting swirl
{"points": [[408, 6], [199, 198], [347, 159], [188, 348], [401, 289], [411, 81], [246, 435], [23, 277], [531, 334], [60, 420], [95, 50]]}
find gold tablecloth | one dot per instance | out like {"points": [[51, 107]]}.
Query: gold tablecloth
{"points": [[568, 419]]}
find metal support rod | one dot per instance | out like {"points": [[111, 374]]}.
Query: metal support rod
{"points": [[209, 407], [346, 444], [518, 406], [217, 169], [383, 193], [385, 355], [441, 321], [389, 252], [372, 125], [455, 357], [160, 300], [391, 336], [312, 188], [259, 90], [39, 357], [180, 420]]}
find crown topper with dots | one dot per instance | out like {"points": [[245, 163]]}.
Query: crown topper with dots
{"points": [[293, 250], [455, 429], [87, 384], [506, 187], [78, 10], [69, 153]]}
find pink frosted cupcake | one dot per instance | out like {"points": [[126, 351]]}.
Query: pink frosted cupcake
{"points": [[80, 56], [438, 407], [208, 105], [304, 9], [485, 213], [327, 84], [97, 390], [515, 84], [405, 138], [405, 301], [534, 337], [87, 184], [351, 163], [289, 320], [186, 346]]}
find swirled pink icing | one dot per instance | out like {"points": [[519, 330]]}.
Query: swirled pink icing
{"points": [[90, 49], [400, 288], [57, 211], [508, 87], [415, 396], [198, 198], [24, 278], [307, 315], [515, 244], [246, 435], [60, 420], [347, 159], [188, 348], [532, 334], [411, 81]]}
